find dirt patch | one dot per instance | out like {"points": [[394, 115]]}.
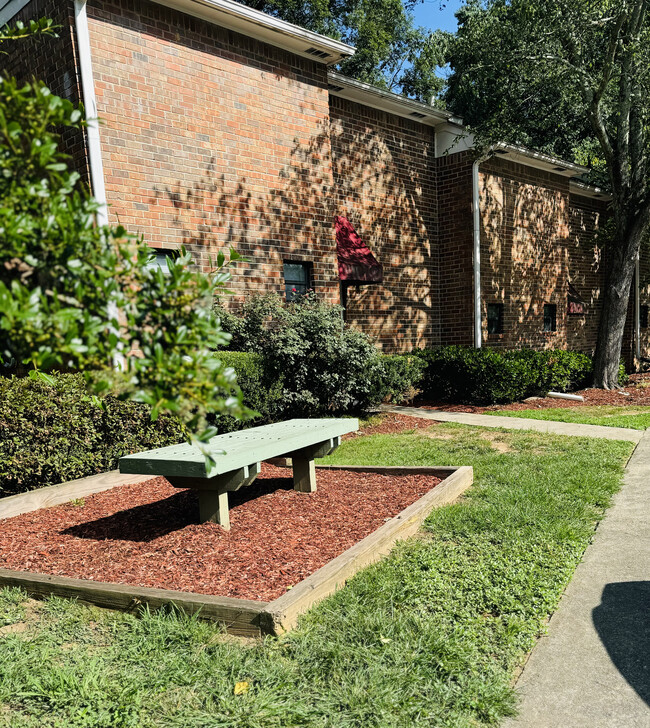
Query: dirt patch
{"points": [[439, 435], [496, 441], [16, 628], [148, 534]]}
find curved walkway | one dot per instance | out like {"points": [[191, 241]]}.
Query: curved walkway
{"points": [[572, 429], [592, 669]]}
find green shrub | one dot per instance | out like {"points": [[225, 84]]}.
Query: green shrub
{"points": [[563, 371], [623, 377], [53, 433], [490, 376], [326, 367], [261, 390], [397, 378]]}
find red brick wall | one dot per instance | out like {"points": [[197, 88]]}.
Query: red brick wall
{"points": [[454, 185], [211, 139], [535, 238], [51, 60], [524, 260], [384, 183], [588, 270]]}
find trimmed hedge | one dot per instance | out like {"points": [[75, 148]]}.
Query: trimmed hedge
{"points": [[392, 378], [53, 433], [490, 376]]}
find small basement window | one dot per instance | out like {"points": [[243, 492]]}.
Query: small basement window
{"points": [[159, 258], [643, 316], [495, 318], [550, 317], [297, 279]]}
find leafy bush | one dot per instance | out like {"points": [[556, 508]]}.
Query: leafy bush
{"points": [[324, 366], [489, 376], [74, 292], [623, 377], [397, 378], [53, 433], [563, 371], [262, 392]]}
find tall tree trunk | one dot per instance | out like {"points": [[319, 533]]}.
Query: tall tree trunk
{"points": [[615, 305]]}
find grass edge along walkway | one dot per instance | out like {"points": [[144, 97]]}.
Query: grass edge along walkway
{"points": [[570, 429], [593, 666], [629, 417], [432, 635]]}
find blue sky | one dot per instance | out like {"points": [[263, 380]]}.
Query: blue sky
{"points": [[430, 15]]}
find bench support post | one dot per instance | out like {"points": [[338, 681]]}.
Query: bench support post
{"points": [[304, 474], [213, 492], [213, 506], [304, 468]]}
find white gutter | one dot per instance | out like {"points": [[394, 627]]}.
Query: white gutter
{"points": [[379, 98], [476, 217], [90, 106], [637, 311], [266, 28]]}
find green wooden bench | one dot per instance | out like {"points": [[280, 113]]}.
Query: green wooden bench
{"points": [[237, 457]]}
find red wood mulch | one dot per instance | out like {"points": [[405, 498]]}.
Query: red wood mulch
{"points": [[637, 393], [148, 534], [392, 424]]}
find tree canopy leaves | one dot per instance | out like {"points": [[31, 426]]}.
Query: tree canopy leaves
{"points": [[391, 52], [574, 78]]}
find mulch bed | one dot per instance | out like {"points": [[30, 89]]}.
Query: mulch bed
{"points": [[391, 424], [148, 534], [637, 393]]}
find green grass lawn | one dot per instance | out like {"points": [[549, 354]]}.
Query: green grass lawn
{"points": [[636, 418], [431, 636]]}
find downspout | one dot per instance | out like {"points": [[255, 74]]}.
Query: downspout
{"points": [[90, 106], [92, 136], [476, 216], [637, 312]]}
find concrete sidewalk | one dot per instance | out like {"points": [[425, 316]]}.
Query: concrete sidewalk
{"points": [[592, 669], [571, 429]]}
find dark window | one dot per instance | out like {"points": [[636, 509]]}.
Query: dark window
{"points": [[159, 258], [495, 318], [550, 317], [297, 280], [643, 316]]}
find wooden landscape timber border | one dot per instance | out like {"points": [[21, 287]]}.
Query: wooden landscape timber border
{"points": [[239, 616]]}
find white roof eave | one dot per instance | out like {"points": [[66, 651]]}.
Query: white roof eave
{"points": [[266, 28], [378, 98]]}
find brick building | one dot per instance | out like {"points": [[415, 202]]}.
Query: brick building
{"points": [[222, 126]]}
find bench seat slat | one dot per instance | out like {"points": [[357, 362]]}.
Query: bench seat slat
{"points": [[238, 448]]}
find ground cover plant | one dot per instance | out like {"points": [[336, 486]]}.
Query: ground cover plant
{"points": [[636, 418], [430, 636]]}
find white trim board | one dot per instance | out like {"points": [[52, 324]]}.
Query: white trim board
{"points": [[90, 105], [10, 8]]}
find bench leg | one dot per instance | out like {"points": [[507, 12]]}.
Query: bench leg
{"points": [[304, 474], [213, 506]]}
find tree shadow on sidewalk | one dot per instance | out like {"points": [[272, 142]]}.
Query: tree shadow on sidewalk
{"points": [[622, 621]]}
